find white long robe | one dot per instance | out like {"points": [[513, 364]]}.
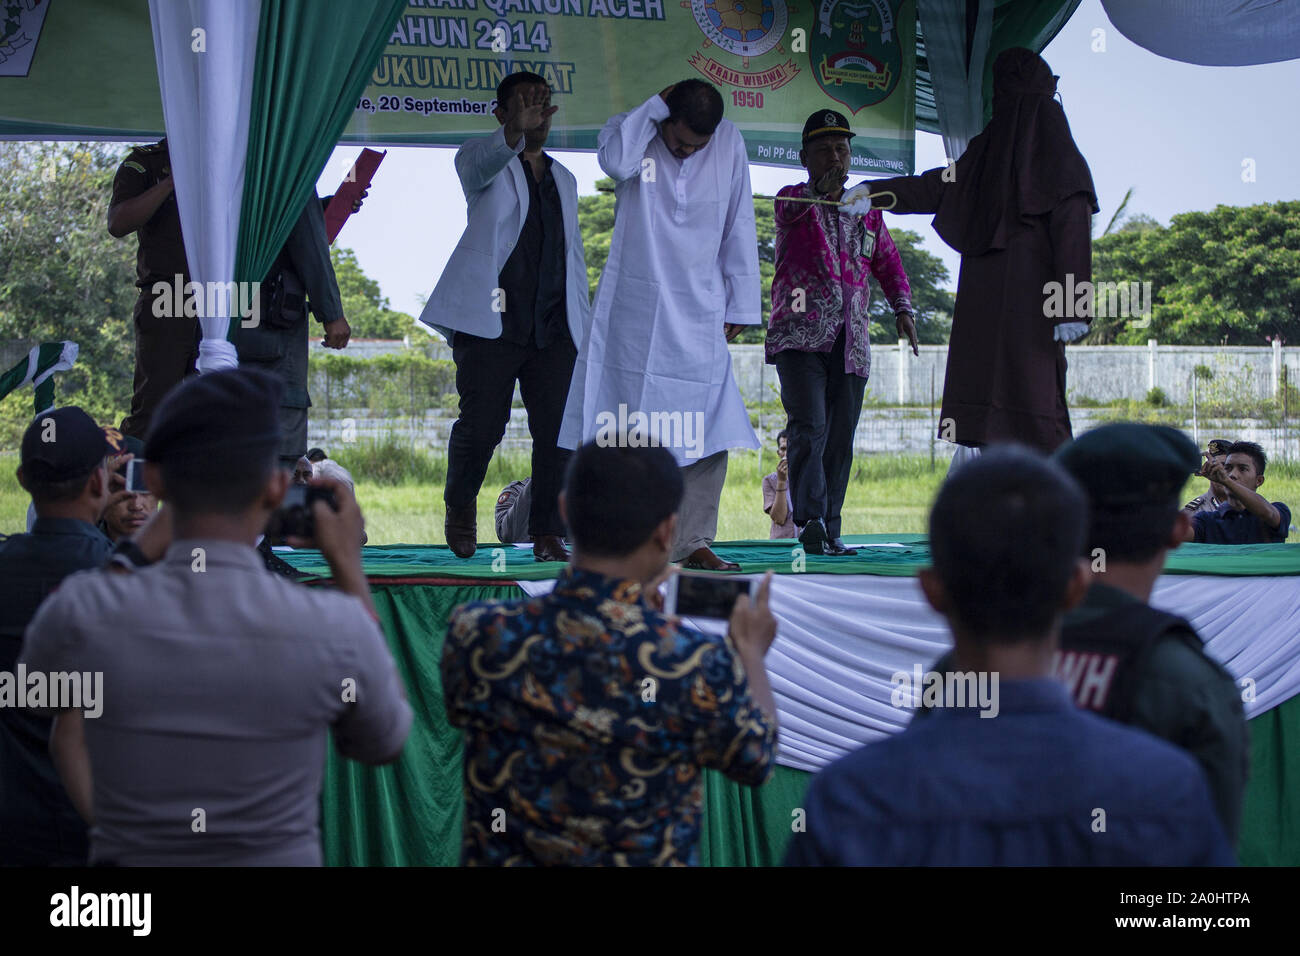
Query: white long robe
{"points": [[683, 260]]}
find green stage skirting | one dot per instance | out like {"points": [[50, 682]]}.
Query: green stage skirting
{"points": [[507, 563], [409, 814]]}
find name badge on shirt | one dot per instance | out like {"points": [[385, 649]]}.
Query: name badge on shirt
{"points": [[867, 239]]}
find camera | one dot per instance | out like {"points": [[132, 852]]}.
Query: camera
{"points": [[293, 519]]}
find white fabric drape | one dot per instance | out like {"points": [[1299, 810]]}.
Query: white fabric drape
{"points": [[1211, 32], [205, 52], [841, 638]]}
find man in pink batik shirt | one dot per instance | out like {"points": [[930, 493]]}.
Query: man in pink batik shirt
{"points": [[817, 336]]}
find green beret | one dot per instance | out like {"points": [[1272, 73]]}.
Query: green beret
{"points": [[1126, 465]]}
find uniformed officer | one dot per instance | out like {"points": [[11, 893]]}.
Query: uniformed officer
{"points": [[301, 280], [63, 468], [238, 671], [166, 346], [1118, 655]]}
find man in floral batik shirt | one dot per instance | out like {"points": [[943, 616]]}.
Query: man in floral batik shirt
{"points": [[817, 337], [589, 715]]}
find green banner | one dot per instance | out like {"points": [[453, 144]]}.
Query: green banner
{"points": [[85, 69]]}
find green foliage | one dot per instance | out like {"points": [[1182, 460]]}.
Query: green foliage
{"points": [[406, 382], [1157, 397], [63, 277], [927, 276], [926, 273], [367, 311], [1229, 276]]}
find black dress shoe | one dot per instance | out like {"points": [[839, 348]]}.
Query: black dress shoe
{"points": [[813, 537], [703, 559], [461, 529], [549, 547], [838, 549]]}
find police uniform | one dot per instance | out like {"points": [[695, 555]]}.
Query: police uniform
{"points": [[1133, 663], [221, 682], [301, 280], [38, 824], [166, 347]]}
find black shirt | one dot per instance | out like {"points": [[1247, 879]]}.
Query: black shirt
{"points": [[533, 278], [38, 825], [161, 255]]}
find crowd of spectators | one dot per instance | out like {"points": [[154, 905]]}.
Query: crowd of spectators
{"points": [[615, 708]]}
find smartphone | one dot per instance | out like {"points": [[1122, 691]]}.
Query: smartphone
{"points": [[695, 594], [135, 476]]}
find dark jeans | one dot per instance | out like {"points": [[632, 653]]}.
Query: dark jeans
{"points": [[166, 349], [822, 403], [486, 371]]}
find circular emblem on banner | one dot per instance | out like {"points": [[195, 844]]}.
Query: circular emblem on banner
{"points": [[747, 28]]}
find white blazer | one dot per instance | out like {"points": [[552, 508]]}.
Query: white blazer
{"points": [[497, 193]]}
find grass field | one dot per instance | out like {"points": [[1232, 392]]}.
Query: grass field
{"points": [[887, 493]]}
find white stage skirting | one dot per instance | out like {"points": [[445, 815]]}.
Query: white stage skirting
{"points": [[841, 638]]}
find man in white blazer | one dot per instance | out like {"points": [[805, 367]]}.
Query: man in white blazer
{"points": [[514, 298]]}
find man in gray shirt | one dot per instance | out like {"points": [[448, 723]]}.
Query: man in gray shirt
{"points": [[219, 679]]}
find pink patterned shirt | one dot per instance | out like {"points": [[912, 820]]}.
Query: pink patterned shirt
{"points": [[824, 259]]}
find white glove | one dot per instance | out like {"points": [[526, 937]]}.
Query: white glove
{"points": [[856, 201], [1069, 331]]}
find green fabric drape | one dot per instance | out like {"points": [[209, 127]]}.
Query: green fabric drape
{"points": [[314, 57], [751, 826], [409, 814], [1270, 824], [1028, 23], [754, 557]]}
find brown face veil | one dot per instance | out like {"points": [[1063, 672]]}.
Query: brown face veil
{"points": [[1023, 164]]}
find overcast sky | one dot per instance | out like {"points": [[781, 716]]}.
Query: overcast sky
{"points": [[1176, 133]]}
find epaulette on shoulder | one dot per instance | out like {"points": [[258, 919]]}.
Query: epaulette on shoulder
{"points": [[132, 164]]}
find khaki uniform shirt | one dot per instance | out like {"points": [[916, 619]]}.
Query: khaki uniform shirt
{"points": [[220, 681]]}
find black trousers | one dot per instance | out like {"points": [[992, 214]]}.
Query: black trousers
{"points": [[822, 404], [166, 350], [486, 372]]}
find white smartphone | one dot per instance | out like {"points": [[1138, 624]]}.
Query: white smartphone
{"points": [[705, 594], [135, 476]]}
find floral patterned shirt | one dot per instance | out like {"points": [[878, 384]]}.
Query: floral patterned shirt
{"points": [[824, 259], [588, 719]]}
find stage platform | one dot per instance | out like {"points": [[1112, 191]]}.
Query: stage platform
{"points": [[845, 627]]}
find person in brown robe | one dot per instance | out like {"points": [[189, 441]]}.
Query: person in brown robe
{"points": [[1017, 205]]}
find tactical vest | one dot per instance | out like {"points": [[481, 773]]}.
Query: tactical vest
{"points": [[1099, 661]]}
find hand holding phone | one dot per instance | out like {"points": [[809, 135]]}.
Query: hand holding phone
{"points": [[696, 594]]}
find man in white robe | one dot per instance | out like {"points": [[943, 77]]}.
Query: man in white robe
{"points": [[681, 280]]}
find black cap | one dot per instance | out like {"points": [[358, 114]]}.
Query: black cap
{"points": [[1128, 466], [825, 123], [65, 443], [236, 409]]}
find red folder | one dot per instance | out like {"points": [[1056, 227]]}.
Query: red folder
{"points": [[357, 181]]}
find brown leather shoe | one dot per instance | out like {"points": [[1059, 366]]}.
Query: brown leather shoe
{"points": [[461, 529], [549, 547], [703, 559]]}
